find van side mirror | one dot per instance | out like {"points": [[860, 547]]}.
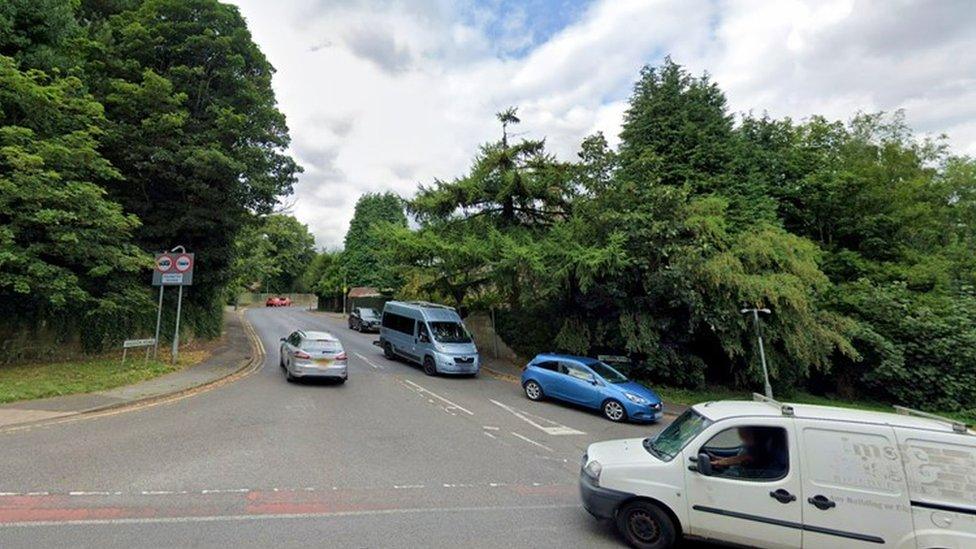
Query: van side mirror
{"points": [[703, 464], [424, 338], [284, 339]]}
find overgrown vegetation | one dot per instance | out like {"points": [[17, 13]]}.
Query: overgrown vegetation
{"points": [[859, 236], [127, 127]]}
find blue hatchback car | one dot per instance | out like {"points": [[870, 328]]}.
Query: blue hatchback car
{"points": [[591, 383]]}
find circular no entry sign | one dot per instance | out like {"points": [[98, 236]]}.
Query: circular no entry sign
{"points": [[164, 263], [183, 263]]}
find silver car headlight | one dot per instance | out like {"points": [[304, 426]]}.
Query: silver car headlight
{"points": [[637, 399]]}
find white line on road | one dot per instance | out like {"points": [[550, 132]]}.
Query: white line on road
{"points": [[530, 441], [370, 362], [552, 429], [439, 397]]}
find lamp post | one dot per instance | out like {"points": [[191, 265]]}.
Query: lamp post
{"points": [[762, 352]]}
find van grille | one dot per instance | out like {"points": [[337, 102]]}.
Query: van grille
{"points": [[464, 360]]}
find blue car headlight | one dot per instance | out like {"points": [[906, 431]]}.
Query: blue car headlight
{"points": [[637, 399]]}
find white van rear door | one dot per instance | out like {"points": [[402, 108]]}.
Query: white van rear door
{"points": [[941, 468], [854, 488]]}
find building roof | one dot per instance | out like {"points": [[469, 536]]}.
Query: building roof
{"points": [[364, 291], [724, 409]]}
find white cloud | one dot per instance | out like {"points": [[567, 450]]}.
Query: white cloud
{"points": [[384, 95]]}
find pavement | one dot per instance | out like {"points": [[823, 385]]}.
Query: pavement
{"points": [[392, 458], [230, 358]]}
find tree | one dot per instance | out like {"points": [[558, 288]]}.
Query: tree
{"points": [[273, 254], [192, 127], [363, 260], [63, 244], [36, 33], [482, 228]]}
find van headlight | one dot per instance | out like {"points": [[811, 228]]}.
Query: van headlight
{"points": [[593, 470], [637, 399]]}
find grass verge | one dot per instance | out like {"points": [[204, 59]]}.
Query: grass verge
{"points": [[31, 381], [694, 396]]}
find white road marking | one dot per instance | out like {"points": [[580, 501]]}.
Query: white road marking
{"points": [[552, 429], [368, 361], [241, 518], [530, 441], [81, 493], [489, 435], [489, 428], [439, 397], [407, 486]]}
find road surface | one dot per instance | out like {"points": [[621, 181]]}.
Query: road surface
{"points": [[392, 458]]}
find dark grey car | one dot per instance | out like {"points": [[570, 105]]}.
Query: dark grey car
{"points": [[364, 319]]}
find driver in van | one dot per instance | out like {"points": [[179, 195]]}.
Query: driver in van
{"points": [[763, 453]]}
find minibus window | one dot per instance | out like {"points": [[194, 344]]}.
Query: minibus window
{"points": [[450, 332], [673, 439]]}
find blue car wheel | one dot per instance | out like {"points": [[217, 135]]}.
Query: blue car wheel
{"points": [[533, 390], [614, 411]]}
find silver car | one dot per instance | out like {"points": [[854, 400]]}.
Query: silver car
{"points": [[313, 354]]}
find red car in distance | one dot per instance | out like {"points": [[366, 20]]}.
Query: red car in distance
{"points": [[278, 301]]}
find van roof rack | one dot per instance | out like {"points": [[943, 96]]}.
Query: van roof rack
{"points": [[785, 409], [957, 426], [428, 305]]}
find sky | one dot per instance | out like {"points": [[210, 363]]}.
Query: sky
{"points": [[383, 95]]}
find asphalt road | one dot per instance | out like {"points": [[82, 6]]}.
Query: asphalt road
{"points": [[392, 458]]}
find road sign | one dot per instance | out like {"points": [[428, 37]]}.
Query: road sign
{"points": [[130, 343], [173, 269], [184, 263], [164, 263]]}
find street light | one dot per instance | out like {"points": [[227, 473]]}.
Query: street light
{"points": [[762, 352]]}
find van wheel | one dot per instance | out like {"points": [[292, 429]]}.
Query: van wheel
{"points": [[533, 391], [646, 526], [388, 351], [614, 411], [429, 367]]}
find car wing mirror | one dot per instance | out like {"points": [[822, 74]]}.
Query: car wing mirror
{"points": [[284, 339], [702, 464], [594, 380]]}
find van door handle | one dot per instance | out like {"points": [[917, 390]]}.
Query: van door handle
{"points": [[782, 496], [821, 502]]}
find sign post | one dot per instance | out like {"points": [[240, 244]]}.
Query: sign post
{"points": [[173, 268]]}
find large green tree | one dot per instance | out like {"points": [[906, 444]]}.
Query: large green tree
{"points": [[480, 232], [64, 246], [363, 258], [192, 127]]}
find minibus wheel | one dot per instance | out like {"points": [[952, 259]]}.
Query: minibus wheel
{"points": [[429, 367], [388, 351], [646, 526]]}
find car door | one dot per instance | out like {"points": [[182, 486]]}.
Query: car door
{"points": [[855, 492], [579, 384], [754, 503], [291, 345]]}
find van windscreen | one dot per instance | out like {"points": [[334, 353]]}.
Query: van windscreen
{"points": [[449, 332]]}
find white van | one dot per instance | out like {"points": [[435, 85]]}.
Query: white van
{"points": [[767, 474]]}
